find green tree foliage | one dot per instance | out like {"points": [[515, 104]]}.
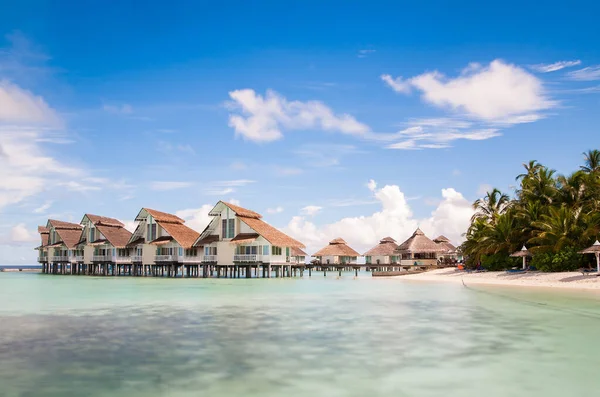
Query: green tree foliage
{"points": [[555, 216]]}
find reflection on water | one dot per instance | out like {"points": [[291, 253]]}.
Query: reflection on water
{"points": [[323, 337]]}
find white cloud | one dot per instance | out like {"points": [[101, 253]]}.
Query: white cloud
{"points": [[553, 67], [311, 210], [234, 202], [43, 208], [20, 234], [397, 84], [365, 52], [275, 210], [129, 225], [451, 217], [263, 119], [493, 93], [118, 109], [586, 74], [372, 185], [20, 106], [196, 218], [169, 185]]}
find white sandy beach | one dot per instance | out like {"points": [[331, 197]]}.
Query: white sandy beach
{"points": [[572, 280]]}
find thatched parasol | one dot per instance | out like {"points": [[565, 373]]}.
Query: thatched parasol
{"points": [[594, 249], [522, 253]]}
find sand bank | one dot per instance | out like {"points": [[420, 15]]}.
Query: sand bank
{"points": [[572, 280]]}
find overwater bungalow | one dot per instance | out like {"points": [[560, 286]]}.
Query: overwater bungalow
{"points": [[298, 256], [383, 256], [419, 250], [337, 252], [43, 248], [161, 241], [104, 243], [62, 246], [238, 238]]}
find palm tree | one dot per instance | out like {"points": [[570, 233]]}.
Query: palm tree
{"points": [[561, 227], [491, 206], [592, 161], [532, 168]]}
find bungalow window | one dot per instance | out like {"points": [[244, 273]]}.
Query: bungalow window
{"points": [[92, 234], [287, 251], [191, 252], [228, 228], [275, 250], [210, 250], [265, 250]]}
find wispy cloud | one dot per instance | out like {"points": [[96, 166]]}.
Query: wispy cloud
{"points": [[264, 118], [169, 185], [288, 171], [553, 67], [586, 74], [43, 208], [365, 52], [311, 210], [221, 188]]}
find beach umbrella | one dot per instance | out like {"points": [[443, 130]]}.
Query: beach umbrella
{"points": [[522, 253], [594, 249]]}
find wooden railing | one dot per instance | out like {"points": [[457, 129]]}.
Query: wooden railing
{"points": [[251, 258], [59, 258]]}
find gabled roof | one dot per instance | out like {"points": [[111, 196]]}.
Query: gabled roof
{"points": [[161, 240], [103, 220], [298, 252], [185, 236], [45, 235], [63, 225], [269, 233], [242, 238], [211, 238], [70, 237], [160, 216], [137, 241], [118, 236], [68, 233], [386, 247], [336, 247], [239, 211], [419, 243]]}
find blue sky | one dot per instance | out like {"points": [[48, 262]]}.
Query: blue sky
{"points": [[290, 109]]}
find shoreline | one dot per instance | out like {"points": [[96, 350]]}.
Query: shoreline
{"points": [[562, 280]]}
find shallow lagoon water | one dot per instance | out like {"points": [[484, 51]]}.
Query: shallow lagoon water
{"points": [[82, 336]]}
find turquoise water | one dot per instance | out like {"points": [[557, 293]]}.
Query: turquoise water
{"points": [[81, 336]]}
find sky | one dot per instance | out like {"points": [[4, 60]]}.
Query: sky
{"points": [[349, 119]]}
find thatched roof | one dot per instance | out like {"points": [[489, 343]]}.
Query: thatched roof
{"points": [[336, 247], [298, 252], [386, 247], [211, 238], [521, 253], [160, 216], [594, 249], [239, 211], [244, 238], [64, 225], [441, 239], [104, 220], [269, 233], [419, 243], [117, 236], [185, 236]]}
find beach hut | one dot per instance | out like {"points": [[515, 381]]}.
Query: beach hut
{"points": [[420, 250], [298, 255], [62, 247], [383, 254], [594, 249], [451, 252], [522, 253], [337, 252]]}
